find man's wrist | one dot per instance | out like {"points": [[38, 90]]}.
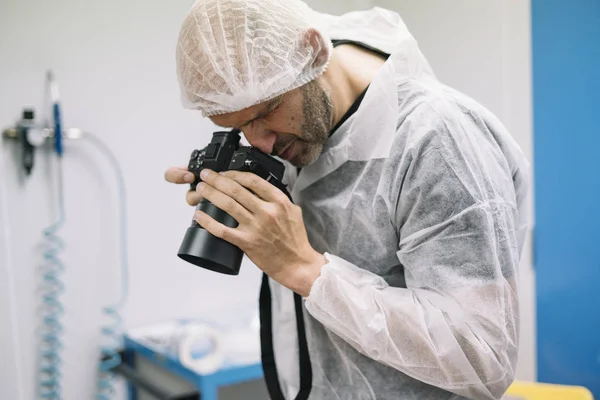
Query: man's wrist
{"points": [[302, 277]]}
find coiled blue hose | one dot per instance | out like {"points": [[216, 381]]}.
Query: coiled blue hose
{"points": [[50, 360], [113, 331], [49, 372], [49, 355]]}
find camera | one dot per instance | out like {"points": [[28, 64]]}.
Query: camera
{"points": [[224, 153]]}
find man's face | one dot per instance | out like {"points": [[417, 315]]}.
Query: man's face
{"points": [[294, 126]]}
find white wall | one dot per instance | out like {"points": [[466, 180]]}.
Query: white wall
{"points": [[115, 64]]}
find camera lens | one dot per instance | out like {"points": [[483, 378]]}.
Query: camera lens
{"points": [[207, 251]]}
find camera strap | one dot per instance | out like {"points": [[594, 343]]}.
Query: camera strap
{"points": [[266, 341]]}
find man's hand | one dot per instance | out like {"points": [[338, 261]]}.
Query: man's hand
{"points": [[181, 175], [271, 231]]}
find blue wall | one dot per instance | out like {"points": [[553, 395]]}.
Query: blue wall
{"points": [[566, 79]]}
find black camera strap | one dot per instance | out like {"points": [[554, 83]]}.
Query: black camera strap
{"points": [[266, 341]]}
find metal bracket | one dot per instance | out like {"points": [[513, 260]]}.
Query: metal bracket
{"points": [[47, 133]]}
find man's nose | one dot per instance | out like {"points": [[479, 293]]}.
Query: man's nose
{"points": [[261, 138]]}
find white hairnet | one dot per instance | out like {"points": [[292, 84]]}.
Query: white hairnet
{"points": [[233, 54]]}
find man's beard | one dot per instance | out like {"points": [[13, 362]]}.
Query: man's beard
{"points": [[317, 121]]}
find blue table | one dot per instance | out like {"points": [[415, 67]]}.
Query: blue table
{"points": [[207, 386]]}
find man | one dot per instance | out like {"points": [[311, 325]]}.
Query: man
{"points": [[407, 225]]}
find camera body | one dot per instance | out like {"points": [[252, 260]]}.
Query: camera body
{"points": [[224, 153]]}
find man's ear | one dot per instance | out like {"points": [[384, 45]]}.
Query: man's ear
{"points": [[314, 39]]}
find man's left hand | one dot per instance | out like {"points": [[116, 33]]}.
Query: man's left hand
{"points": [[271, 230]]}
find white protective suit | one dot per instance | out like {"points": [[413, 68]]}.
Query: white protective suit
{"points": [[418, 204]]}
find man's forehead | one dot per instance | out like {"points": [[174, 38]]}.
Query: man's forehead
{"points": [[243, 117]]}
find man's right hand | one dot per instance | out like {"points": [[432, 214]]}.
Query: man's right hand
{"points": [[181, 175]]}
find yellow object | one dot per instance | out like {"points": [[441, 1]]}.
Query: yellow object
{"points": [[545, 391]]}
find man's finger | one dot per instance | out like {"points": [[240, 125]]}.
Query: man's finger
{"points": [[179, 175], [233, 189], [193, 198], [225, 203], [231, 235], [258, 185]]}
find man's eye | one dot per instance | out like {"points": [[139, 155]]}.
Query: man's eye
{"points": [[279, 103], [271, 112]]}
